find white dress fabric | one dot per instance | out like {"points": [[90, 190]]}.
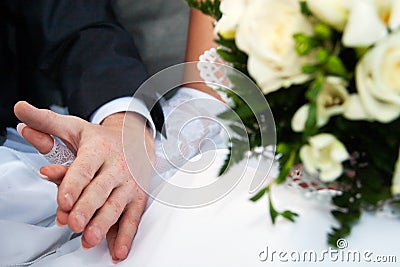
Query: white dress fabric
{"points": [[230, 232], [27, 207]]}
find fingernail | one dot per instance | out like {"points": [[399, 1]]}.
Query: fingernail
{"points": [[58, 223], [96, 231], [85, 244], [115, 261], [85, 248], [69, 200], [43, 176], [20, 127], [124, 250], [81, 220]]}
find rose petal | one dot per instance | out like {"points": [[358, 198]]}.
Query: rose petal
{"points": [[354, 109], [381, 111], [299, 119], [394, 21], [332, 12], [396, 177], [321, 140], [364, 26], [339, 152], [306, 156], [330, 175]]}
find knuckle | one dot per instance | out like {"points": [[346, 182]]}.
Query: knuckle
{"points": [[50, 114], [103, 188], [94, 234], [116, 206], [84, 171], [131, 222], [122, 164], [141, 196]]}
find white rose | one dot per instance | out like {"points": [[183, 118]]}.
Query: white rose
{"points": [[396, 178], [331, 100], [369, 21], [333, 12], [378, 80], [324, 155], [354, 109], [232, 11], [265, 33]]}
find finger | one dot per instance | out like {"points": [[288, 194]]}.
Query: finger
{"points": [[128, 226], [106, 216], [93, 197], [54, 172], [61, 217], [85, 244], [80, 173], [111, 236], [47, 121], [41, 141]]}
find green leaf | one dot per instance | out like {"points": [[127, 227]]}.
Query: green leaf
{"points": [[304, 43], [347, 214], [304, 9], [361, 51], [227, 55], [224, 167], [260, 194], [323, 55], [272, 212], [238, 129], [314, 88], [335, 66], [208, 7], [230, 44], [311, 126], [310, 68], [237, 149], [287, 161], [323, 31], [289, 215]]}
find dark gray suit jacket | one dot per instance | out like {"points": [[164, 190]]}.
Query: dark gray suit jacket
{"points": [[75, 47]]}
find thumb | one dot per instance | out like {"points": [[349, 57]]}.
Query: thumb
{"points": [[46, 121]]}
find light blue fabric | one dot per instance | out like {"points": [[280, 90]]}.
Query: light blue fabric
{"points": [[27, 205]]}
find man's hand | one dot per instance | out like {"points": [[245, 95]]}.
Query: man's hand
{"points": [[99, 194]]}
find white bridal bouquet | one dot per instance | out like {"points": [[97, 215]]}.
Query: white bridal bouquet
{"points": [[330, 71]]}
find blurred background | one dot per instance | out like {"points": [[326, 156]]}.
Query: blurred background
{"points": [[159, 29]]}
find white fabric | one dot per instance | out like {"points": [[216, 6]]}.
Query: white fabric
{"points": [[234, 231], [123, 104], [230, 232], [27, 205], [28, 202]]}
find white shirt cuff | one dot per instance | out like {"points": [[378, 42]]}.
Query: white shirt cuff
{"points": [[123, 104]]}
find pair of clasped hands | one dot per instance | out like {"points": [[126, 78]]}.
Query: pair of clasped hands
{"points": [[98, 194]]}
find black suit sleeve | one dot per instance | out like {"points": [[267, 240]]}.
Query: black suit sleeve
{"points": [[81, 45]]}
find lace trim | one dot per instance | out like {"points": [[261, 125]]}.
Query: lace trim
{"points": [[60, 154], [213, 69]]}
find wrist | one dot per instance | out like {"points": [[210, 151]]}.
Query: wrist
{"points": [[129, 120], [114, 120]]}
